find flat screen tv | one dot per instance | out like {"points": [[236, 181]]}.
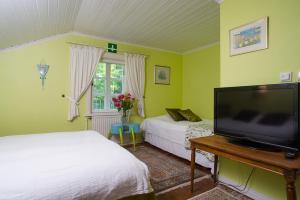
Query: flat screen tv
{"points": [[263, 114]]}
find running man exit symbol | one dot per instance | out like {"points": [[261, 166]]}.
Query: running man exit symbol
{"points": [[112, 48]]}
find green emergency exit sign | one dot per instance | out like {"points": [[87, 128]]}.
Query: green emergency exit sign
{"points": [[112, 48]]}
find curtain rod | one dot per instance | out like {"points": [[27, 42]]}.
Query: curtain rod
{"points": [[106, 48]]}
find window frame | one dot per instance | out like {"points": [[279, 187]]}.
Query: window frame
{"points": [[108, 58]]}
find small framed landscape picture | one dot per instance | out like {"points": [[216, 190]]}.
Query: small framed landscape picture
{"points": [[249, 37], [162, 75]]}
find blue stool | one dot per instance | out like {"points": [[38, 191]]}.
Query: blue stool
{"points": [[120, 129]]}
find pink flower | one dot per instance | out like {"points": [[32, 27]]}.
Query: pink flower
{"points": [[114, 99], [121, 96], [118, 104]]}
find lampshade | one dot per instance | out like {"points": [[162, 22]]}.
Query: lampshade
{"points": [[42, 69]]}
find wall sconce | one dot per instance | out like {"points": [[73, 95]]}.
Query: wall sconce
{"points": [[42, 69]]}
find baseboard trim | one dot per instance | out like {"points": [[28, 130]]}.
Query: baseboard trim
{"points": [[249, 192]]}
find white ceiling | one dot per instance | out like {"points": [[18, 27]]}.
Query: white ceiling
{"points": [[175, 25]]}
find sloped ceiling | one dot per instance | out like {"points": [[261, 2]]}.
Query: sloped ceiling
{"points": [[175, 25], [23, 21]]}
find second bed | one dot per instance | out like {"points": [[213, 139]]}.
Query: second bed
{"points": [[169, 135]]}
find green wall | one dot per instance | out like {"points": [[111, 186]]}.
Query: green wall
{"points": [[260, 67], [26, 108], [201, 73]]}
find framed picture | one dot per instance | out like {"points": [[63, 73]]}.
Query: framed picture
{"points": [[249, 37], [162, 75]]}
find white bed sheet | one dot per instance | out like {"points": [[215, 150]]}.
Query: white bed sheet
{"points": [[169, 135], [81, 165]]}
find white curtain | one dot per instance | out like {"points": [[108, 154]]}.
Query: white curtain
{"points": [[135, 79], [84, 60]]}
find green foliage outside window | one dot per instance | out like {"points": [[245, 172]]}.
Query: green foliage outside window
{"points": [[104, 85]]}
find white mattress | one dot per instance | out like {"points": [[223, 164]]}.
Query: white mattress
{"points": [[81, 165], [169, 135]]}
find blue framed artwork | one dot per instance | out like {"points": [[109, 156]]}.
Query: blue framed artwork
{"points": [[162, 75], [249, 37]]}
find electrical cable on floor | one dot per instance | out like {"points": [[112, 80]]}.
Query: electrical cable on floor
{"points": [[237, 187]]}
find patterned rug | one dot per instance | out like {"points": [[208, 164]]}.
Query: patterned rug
{"points": [[216, 193], [166, 171], [234, 193]]}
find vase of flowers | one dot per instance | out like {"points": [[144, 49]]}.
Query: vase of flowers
{"points": [[124, 104]]}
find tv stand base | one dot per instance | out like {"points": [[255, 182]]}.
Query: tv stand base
{"points": [[290, 155], [253, 145]]}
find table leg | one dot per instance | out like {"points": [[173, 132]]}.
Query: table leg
{"points": [[121, 135], [133, 138], [192, 167], [216, 169], [109, 135], [290, 177]]}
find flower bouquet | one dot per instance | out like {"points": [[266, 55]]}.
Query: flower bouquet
{"points": [[124, 103]]}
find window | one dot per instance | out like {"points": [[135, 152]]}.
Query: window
{"points": [[108, 82]]}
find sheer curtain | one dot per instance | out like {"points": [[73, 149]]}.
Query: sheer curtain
{"points": [[135, 79], [84, 60]]}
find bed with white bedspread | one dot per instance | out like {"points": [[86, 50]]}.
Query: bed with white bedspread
{"points": [[169, 135], [68, 165]]}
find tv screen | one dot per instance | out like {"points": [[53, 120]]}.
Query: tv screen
{"points": [[266, 114]]}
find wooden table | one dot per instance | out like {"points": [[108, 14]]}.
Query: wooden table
{"points": [[270, 161]]}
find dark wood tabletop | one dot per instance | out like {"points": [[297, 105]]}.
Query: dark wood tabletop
{"points": [[220, 143]]}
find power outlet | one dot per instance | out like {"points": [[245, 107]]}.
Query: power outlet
{"points": [[286, 76], [298, 76]]}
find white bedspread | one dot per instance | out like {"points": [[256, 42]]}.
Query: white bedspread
{"points": [[165, 133], [165, 127], [175, 130], [80, 165]]}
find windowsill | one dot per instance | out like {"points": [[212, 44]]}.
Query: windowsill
{"points": [[103, 113]]}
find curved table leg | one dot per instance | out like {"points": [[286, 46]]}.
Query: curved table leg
{"points": [[290, 177]]}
